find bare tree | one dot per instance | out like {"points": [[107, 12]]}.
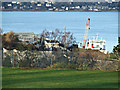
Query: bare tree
{"points": [[66, 38], [1, 30]]}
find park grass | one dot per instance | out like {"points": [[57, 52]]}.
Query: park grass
{"points": [[44, 78]]}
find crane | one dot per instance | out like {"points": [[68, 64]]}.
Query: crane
{"points": [[86, 32]]}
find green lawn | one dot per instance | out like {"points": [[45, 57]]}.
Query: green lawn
{"points": [[39, 78]]}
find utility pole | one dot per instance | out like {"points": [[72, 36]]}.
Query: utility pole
{"points": [[32, 60], [65, 35], [68, 60], [14, 51], [54, 60], [2, 54], [85, 63], [13, 59], [102, 58], [97, 37], [51, 59]]}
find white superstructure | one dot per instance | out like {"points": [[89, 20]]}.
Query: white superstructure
{"points": [[96, 44]]}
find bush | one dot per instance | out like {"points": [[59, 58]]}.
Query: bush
{"points": [[59, 65], [64, 65], [7, 61], [73, 66], [113, 56]]}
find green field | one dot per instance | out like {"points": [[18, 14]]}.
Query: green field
{"points": [[43, 78]]}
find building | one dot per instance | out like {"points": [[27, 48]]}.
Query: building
{"points": [[51, 43], [25, 36]]}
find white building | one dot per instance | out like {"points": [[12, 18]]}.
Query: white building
{"points": [[25, 36], [9, 5], [51, 43], [39, 5]]}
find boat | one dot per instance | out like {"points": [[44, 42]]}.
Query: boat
{"points": [[97, 44]]}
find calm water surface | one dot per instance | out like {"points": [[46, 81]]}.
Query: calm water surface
{"points": [[103, 23]]}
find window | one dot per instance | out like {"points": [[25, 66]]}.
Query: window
{"points": [[97, 45], [104, 47]]}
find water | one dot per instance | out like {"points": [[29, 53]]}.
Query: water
{"points": [[103, 23]]}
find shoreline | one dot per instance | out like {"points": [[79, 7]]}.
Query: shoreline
{"points": [[53, 11]]}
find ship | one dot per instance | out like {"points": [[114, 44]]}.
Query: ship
{"points": [[97, 44], [94, 44]]}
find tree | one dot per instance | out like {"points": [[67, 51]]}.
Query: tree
{"points": [[1, 30], [65, 38], [116, 49], [6, 61], [0, 39], [8, 40]]}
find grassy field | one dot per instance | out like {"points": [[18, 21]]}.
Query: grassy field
{"points": [[39, 78]]}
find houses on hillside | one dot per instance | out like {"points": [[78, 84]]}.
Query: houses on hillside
{"points": [[27, 36], [37, 40], [59, 6], [41, 42]]}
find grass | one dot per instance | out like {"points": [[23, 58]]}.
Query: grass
{"points": [[43, 78]]}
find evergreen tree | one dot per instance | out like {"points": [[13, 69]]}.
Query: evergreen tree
{"points": [[116, 49]]}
